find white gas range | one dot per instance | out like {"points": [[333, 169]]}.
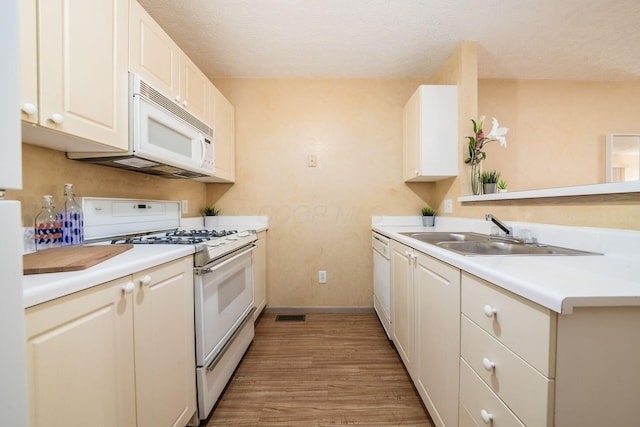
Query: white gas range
{"points": [[223, 280]]}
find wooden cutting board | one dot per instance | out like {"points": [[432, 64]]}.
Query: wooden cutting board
{"points": [[69, 258]]}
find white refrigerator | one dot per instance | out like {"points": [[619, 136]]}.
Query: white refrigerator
{"points": [[13, 372]]}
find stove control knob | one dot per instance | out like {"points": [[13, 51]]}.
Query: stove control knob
{"points": [[145, 280], [128, 287]]}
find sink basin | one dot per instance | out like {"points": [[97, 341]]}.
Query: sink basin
{"points": [[475, 244], [506, 248], [437, 237]]}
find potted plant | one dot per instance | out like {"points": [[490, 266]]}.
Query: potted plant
{"points": [[489, 181], [502, 186], [428, 216], [210, 214]]}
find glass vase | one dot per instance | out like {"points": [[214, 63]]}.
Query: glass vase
{"points": [[476, 183]]}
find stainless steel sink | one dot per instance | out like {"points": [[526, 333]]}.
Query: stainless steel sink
{"points": [[476, 244], [437, 237]]}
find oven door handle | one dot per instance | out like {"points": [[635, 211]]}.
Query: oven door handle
{"points": [[205, 270]]}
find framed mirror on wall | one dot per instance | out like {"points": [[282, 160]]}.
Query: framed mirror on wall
{"points": [[622, 157]]}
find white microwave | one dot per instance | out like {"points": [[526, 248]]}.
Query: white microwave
{"points": [[164, 138]]}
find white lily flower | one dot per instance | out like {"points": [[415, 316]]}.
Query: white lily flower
{"points": [[498, 133]]}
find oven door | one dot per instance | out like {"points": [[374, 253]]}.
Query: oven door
{"points": [[223, 296]]}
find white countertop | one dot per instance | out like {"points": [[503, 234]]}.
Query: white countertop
{"points": [[559, 283], [39, 288]]}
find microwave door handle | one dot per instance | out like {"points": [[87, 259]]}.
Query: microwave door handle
{"points": [[203, 147]]}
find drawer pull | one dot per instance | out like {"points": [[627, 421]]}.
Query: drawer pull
{"points": [[489, 311], [486, 417], [488, 364]]}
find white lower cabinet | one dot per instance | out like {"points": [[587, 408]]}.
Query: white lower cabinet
{"points": [[260, 274], [483, 356], [437, 302], [508, 346], [402, 273], [426, 327], [117, 354]]}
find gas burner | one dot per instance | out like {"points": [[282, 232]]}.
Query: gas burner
{"points": [[201, 234]]}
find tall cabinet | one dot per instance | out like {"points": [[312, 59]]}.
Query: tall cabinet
{"points": [[13, 373]]}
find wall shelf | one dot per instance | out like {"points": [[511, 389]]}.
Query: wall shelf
{"points": [[580, 190]]}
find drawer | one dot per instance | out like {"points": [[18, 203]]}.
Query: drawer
{"points": [[476, 400], [527, 392], [526, 328]]}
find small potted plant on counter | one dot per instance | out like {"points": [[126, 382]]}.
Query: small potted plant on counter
{"points": [[210, 213], [502, 186], [428, 217], [489, 181]]}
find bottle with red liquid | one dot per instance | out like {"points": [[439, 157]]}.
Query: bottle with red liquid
{"points": [[47, 225]]}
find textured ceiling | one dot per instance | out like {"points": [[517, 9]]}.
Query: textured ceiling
{"points": [[538, 39]]}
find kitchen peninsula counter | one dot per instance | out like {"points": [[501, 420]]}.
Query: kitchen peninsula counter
{"points": [[556, 282]]}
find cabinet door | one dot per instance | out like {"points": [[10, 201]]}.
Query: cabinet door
{"points": [[402, 259], [223, 120], [437, 299], [152, 53], [194, 89], [83, 63], [28, 61], [260, 274], [164, 345], [80, 359], [411, 137]]}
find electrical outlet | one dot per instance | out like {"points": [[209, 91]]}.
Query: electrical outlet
{"points": [[448, 206], [312, 160], [322, 277], [185, 206]]}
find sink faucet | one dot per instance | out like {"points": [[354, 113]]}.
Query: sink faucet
{"points": [[508, 230]]}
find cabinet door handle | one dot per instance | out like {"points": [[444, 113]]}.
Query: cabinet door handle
{"points": [[488, 364], [489, 311], [57, 118], [178, 99], [145, 280], [185, 103], [128, 287], [29, 108], [486, 416]]}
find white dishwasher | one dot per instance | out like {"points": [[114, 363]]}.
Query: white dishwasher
{"points": [[382, 280]]}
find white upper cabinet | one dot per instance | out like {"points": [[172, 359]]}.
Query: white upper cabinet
{"points": [[152, 53], [160, 62], [80, 58], [430, 134], [222, 119], [194, 89]]}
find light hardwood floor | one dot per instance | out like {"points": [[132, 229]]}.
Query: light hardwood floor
{"points": [[331, 369]]}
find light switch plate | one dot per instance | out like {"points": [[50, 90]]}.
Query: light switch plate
{"points": [[448, 206]]}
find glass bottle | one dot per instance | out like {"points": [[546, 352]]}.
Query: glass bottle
{"points": [[72, 219], [48, 228]]}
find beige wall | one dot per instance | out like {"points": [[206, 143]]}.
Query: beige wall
{"points": [[557, 128], [319, 218], [46, 171], [537, 113]]}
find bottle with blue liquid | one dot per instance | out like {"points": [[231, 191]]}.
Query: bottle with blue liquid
{"points": [[72, 219]]}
